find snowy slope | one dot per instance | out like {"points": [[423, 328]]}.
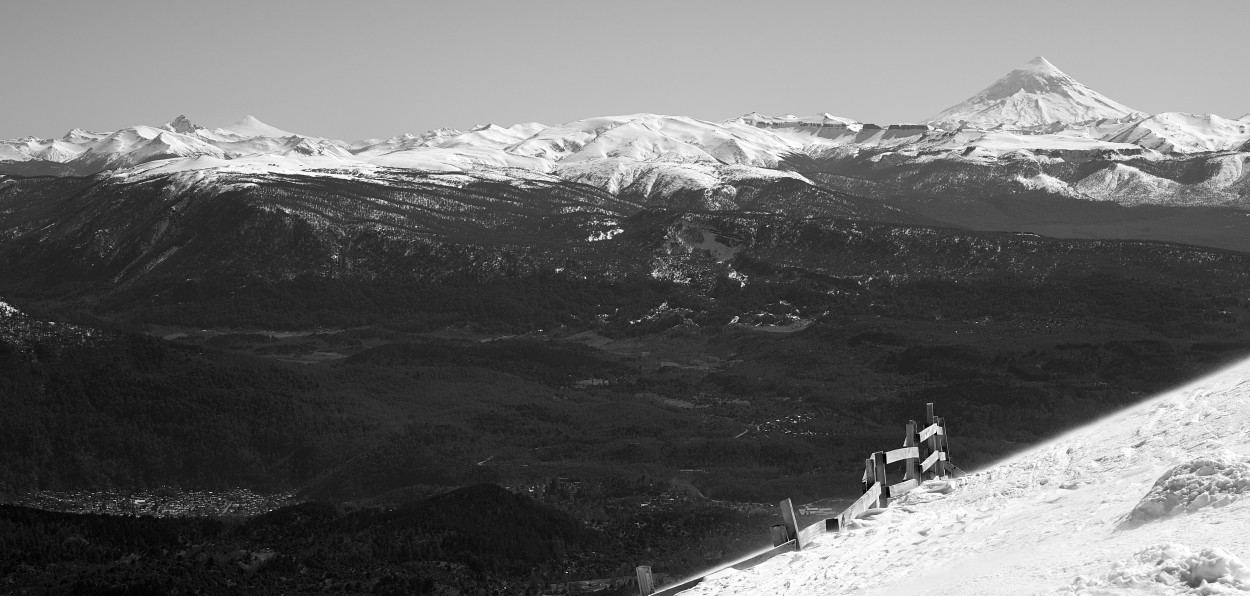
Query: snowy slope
{"points": [[656, 137], [139, 144], [1152, 500], [664, 179], [464, 158], [491, 136], [1225, 175], [822, 120], [46, 149], [431, 138], [1176, 132], [79, 136], [1035, 96]]}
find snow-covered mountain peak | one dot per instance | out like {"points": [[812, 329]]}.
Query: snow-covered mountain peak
{"points": [[250, 126], [80, 136], [1042, 66], [182, 125], [1035, 96]]}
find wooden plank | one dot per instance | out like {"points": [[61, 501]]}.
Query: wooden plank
{"points": [[761, 557], [790, 520], [929, 431], [904, 487], [740, 565], [808, 534], [901, 454], [679, 588], [646, 583], [865, 501], [932, 459]]}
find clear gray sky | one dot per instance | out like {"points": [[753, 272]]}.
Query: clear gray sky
{"points": [[352, 70]]}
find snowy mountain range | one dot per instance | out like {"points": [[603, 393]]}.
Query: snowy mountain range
{"points": [[1056, 136]]}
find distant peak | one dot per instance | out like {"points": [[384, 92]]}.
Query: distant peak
{"points": [[78, 135], [182, 125], [1040, 64], [250, 126], [1036, 96]]}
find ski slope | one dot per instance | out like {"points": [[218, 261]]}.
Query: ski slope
{"points": [[1154, 499]]}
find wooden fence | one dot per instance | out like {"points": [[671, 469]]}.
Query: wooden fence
{"points": [[930, 442]]}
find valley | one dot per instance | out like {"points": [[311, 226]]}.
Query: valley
{"points": [[694, 366], [522, 359]]}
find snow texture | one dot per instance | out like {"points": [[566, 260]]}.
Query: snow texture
{"points": [[1202, 482], [1052, 518], [1176, 132], [1169, 569]]}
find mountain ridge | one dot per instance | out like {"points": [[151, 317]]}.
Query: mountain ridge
{"points": [[1035, 114]]}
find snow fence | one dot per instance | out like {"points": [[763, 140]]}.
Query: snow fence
{"points": [[924, 454]]}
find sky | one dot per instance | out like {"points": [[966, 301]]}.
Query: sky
{"points": [[353, 70]]}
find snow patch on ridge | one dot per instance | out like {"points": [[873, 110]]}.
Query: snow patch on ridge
{"points": [[649, 179], [1046, 183]]}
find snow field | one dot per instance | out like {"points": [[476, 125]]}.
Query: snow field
{"points": [[1052, 519]]}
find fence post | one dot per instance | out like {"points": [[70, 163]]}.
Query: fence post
{"points": [[932, 442], [779, 535], [912, 467], [944, 442], [646, 583], [878, 465], [791, 522], [869, 475]]}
